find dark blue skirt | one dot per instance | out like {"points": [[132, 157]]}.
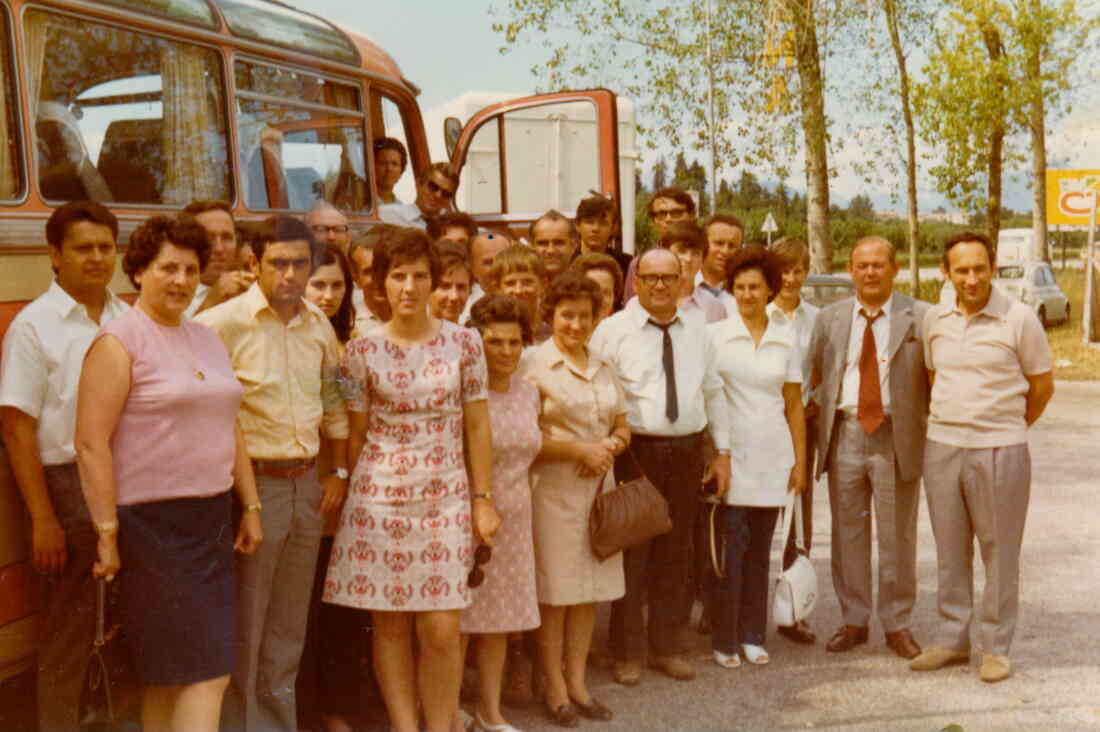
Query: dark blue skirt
{"points": [[178, 589]]}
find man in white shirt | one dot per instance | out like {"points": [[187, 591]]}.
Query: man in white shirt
{"points": [[788, 306], [43, 354], [871, 389], [672, 392], [435, 192], [220, 279], [724, 234]]}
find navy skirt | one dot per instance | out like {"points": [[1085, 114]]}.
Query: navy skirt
{"points": [[178, 589]]}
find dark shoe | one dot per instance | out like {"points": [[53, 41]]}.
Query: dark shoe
{"points": [[901, 642], [594, 710], [563, 716], [676, 667], [628, 673], [799, 633], [847, 638]]}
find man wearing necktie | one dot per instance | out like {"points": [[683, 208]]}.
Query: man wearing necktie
{"points": [[672, 393], [872, 395]]}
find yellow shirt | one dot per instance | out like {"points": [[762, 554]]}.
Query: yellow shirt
{"points": [[290, 374]]}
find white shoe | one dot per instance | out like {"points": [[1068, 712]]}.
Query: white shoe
{"points": [[756, 655], [727, 660]]}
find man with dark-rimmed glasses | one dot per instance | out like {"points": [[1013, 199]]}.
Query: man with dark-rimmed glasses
{"points": [[435, 193], [667, 205]]}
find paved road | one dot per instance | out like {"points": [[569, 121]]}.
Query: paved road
{"points": [[1056, 652]]}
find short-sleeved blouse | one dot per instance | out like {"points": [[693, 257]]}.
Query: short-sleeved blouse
{"points": [[176, 435], [761, 451], [580, 405], [404, 542]]}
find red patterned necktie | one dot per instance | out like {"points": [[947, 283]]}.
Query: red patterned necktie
{"points": [[871, 414]]}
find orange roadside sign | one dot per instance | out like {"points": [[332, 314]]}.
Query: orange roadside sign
{"points": [[1069, 196]]}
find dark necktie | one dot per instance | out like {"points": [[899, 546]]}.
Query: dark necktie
{"points": [[716, 291], [672, 407], [870, 412]]}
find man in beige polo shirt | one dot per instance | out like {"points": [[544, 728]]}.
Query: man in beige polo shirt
{"points": [[990, 367]]}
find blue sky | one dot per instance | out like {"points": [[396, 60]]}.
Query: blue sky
{"points": [[448, 47]]}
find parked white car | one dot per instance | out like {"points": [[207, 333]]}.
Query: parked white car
{"points": [[1033, 284]]}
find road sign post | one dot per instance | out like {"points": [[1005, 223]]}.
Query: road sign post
{"points": [[769, 227], [1089, 325]]}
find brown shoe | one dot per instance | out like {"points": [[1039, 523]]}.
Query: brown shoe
{"points": [[628, 673], [847, 638], [675, 667], [901, 642], [937, 657]]}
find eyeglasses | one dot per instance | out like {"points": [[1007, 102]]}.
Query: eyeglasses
{"points": [[482, 555], [437, 190], [322, 230], [652, 280], [669, 213]]}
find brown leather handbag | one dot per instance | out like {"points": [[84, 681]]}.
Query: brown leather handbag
{"points": [[631, 513]]}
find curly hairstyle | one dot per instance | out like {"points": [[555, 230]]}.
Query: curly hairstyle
{"points": [[149, 238], [759, 258], [344, 320], [493, 309], [404, 246], [570, 285]]}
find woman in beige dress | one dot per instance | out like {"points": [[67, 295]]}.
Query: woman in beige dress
{"points": [[584, 427]]}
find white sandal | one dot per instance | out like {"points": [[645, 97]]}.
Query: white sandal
{"points": [[727, 660], [755, 655], [480, 724]]}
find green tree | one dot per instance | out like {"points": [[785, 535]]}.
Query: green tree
{"points": [[861, 207]]}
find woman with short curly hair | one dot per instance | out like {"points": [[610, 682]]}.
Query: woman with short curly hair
{"points": [[759, 364], [583, 420]]}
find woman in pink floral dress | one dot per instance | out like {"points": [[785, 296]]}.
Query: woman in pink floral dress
{"points": [[507, 601], [404, 546]]}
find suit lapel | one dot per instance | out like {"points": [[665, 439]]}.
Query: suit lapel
{"points": [[901, 321]]}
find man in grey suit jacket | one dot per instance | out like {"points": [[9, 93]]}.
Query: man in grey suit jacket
{"points": [[872, 399]]}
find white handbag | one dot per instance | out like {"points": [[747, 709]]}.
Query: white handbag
{"points": [[796, 586]]}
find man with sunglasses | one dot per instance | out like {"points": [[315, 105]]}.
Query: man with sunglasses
{"points": [[435, 193]]}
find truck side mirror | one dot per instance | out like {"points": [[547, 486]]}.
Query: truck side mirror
{"points": [[452, 129]]}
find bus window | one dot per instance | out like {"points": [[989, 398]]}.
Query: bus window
{"points": [[189, 11], [301, 139], [401, 187], [288, 27], [11, 180], [480, 186], [124, 117]]}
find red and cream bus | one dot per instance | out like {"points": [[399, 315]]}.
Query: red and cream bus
{"points": [[145, 105]]}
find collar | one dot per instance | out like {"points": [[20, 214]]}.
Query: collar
{"points": [[550, 356], [774, 310], [733, 328], [638, 316], [996, 306], [256, 302], [64, 304], [887, 307]]}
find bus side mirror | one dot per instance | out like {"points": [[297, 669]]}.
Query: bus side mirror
{"points": [[452, 129]]}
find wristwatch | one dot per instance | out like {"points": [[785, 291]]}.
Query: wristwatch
{"points": [[341, 473]]}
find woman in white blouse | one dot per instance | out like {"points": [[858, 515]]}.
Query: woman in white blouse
{"points": [[759, 364]]}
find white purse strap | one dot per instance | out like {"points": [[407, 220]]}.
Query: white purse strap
{"points": [[793, 512]]}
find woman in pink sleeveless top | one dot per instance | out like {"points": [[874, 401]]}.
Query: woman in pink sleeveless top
{"points": [[158, 450]]}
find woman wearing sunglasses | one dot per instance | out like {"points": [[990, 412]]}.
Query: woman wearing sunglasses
{"points": [[503, 590]]}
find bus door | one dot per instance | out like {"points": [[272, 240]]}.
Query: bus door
{"points": [[521, 158]]}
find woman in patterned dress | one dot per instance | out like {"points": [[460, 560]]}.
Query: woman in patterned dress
{"points": [[506, 602], [404, 544], [583, 421]]}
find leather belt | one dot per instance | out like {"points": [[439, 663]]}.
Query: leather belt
{"points": [[652, 439], [290, 469]]}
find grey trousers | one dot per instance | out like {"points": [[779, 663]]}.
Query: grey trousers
{"points": [[273, 604], [863, 473], [983, 493], [68, 607]]}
